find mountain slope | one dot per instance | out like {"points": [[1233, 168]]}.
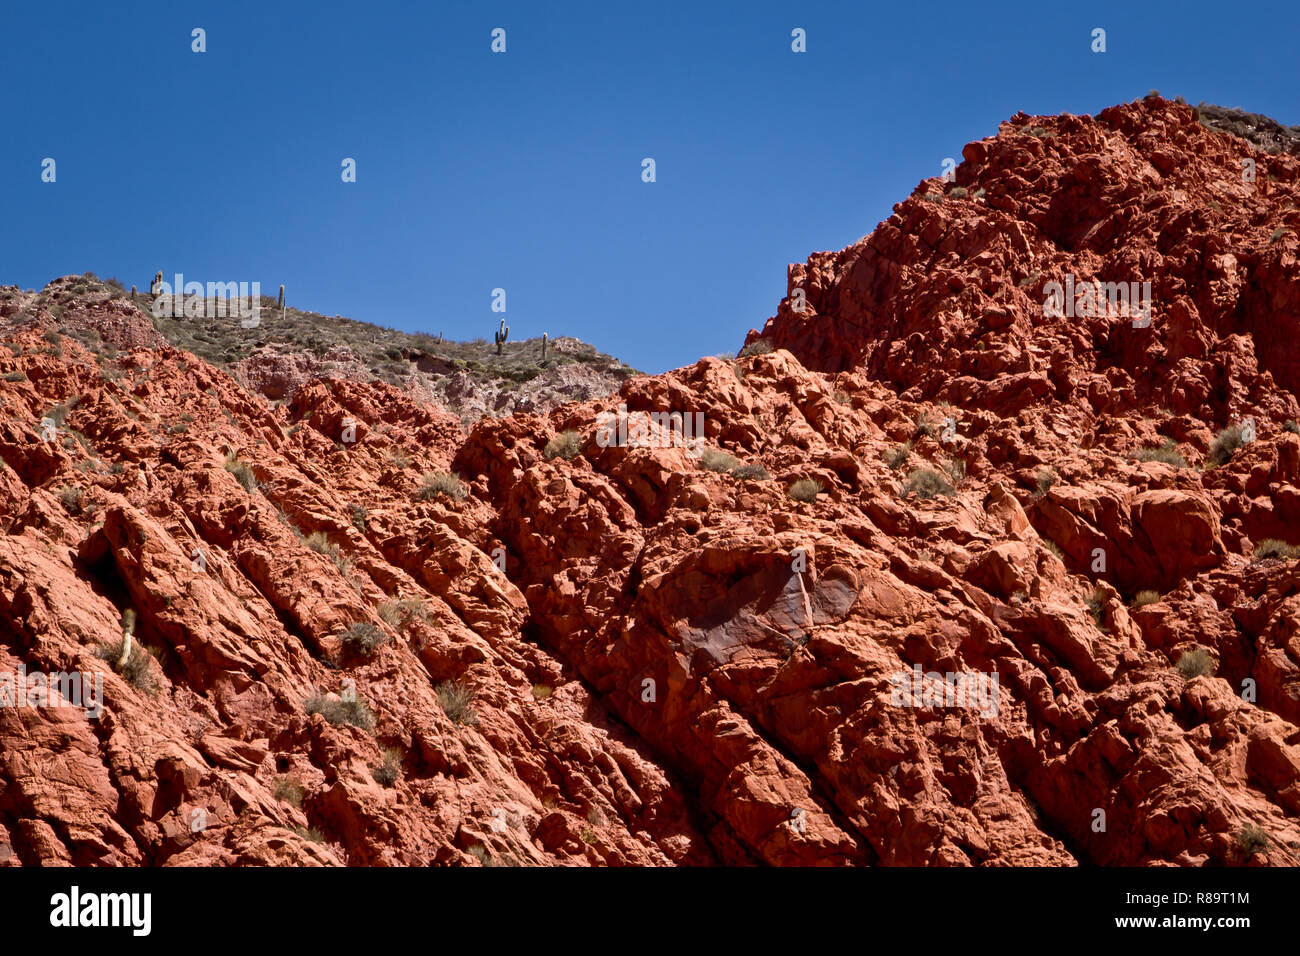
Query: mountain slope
{"points": [[681, 660]]}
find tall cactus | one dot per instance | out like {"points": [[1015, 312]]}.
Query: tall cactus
{"points": [[128, 627], [280, 304], [502, 334], [543, 346]]}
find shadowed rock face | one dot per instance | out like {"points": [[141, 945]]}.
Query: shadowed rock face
{"points": [[672, 665]]}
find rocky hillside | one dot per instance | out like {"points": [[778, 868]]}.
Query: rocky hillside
{"points": [[289, 347], [373, 637]]}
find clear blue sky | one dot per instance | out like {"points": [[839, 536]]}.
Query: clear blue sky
{"points": [[523, 170]]}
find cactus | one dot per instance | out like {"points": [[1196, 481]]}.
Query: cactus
{"points": [[132, 292], [439, 338], [543, 346], [280, 305], [128, 626], [502, 334], [157, 283]]}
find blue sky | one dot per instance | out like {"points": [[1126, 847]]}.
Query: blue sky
{"points": [[522, 170]]}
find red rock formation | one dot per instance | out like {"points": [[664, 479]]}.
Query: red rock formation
{"points": [[672, 664]]}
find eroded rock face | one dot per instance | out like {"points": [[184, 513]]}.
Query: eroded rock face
{"points": [[940, 658]]}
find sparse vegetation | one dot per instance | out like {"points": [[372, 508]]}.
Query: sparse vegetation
{"points": [[58, 414], [897, 456], [390, 771], [1096, 604], [956, 469], [242, 471], [926, 483], [362, 637], [136, 671], [70, 498], [1273, 548], [319, 542], [713, 460], [805, 489], [542, 691], [339, 712], [15, 377], [1292, 427], [440, 483], [1168, 453], [401, 613], [1223, 447], [458, 702], [747, 472], [1143, 598], [958, 192], [359, 516], [288, 791], [310, 834], [1047, 477], [566, 445], [1196, 663], [1252, 839], [756, 347]]}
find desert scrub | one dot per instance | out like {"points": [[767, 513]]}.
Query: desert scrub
{"points": [[1096, 604], [128, 657], [1047, 477], [1143, 598], [805, 489], [70, 498], [1291, 426], [566, 445], [1196, 663], [288, 790], [401, 613], [956, 469], [1273, 548], [897, 456], [58, 413], [319, 542], [1251, 840], [363, 638], [747, 472], [359, 515], [1223, 447], [1168, 453], [924, 425], [756, 347], [15, 377], [458, 702], [390, 771], [310, 834], [242, 471], [542, 691], [926, 483], [436, 483], [713, 460], [339, 712]]}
